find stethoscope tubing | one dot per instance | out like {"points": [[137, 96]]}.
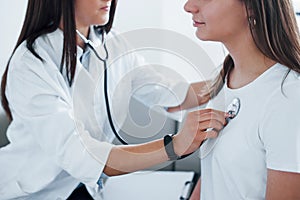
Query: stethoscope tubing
{"points": [[90, 45], [106, 98]]}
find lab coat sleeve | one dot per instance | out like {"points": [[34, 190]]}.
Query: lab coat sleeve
{"points": [[157, 85], [38, 99], [152, 84], [280, 130]]}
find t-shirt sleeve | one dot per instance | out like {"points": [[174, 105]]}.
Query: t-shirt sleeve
{"points": [[280, 129]]}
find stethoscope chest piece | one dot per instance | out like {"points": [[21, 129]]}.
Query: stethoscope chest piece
{"points": [[233, 109]]}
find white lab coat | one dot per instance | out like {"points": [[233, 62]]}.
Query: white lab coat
{"points": [[59, 135]]}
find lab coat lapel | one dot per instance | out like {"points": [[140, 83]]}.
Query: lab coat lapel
{"points": [[84, 103]]}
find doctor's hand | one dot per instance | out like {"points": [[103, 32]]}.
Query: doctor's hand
{"points": [[198, 126]]}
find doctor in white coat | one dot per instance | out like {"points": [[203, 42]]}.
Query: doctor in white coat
{"points": [[52, 90]]}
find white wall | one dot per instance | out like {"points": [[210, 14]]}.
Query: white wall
{"points": [[297, 10], [12, 13], [165, 15], [131, 14]]}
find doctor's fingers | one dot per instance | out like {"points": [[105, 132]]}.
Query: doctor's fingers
{"points": [[212, 124], [196, 122], [210, 114], [220, 117], [210, 133]]}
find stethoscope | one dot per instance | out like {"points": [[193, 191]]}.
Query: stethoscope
{"points": [[232, 109], [91, 45]]}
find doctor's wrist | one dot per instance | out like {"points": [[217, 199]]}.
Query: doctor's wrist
{"points": [[169, 147], [179, 149], [175, 147]]}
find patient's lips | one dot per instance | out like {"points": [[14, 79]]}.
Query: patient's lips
{"points": [[198, 23]]}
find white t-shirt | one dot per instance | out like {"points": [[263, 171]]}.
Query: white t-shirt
{"points": [[264, 135]]}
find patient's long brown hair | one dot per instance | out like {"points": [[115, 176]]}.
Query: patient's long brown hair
{"points": [[275, 33], [43, 16]]}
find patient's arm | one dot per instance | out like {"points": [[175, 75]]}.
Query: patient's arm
{"points": [[283, 185], [196, 192]]}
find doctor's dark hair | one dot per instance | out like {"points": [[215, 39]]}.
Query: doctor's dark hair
{"points": [[274, 29], [42, 17]]}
